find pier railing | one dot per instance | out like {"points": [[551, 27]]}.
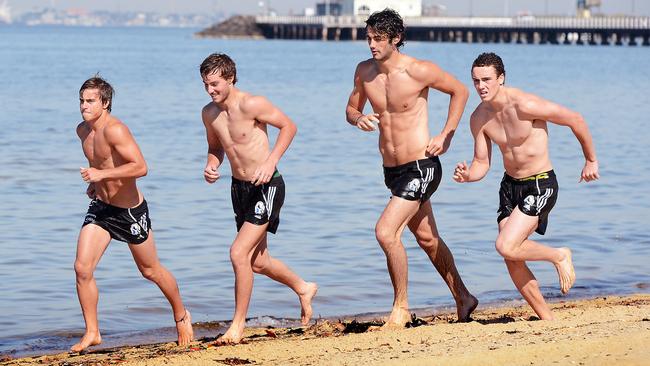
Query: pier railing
{"points": [[524, 29], [481, 22]]}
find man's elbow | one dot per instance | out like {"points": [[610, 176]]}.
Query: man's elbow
{"points": [[142, 170]]}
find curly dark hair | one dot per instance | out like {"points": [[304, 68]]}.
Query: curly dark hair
{"points": [[490, 59], [388, 22], [106, 91], [219, 62]]}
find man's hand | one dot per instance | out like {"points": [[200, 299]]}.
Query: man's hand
{"points": [[461, 173], [91, 175], [90, 191], [589, 172], [366, 122], [438, 145], [263, 173], [211, 174]]}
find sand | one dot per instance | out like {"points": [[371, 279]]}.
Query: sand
{"points": [[601, 331]]}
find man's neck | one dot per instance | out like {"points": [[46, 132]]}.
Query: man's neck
{"points": [[390, 64], [230, 101], [100, 122], [500, 99]]}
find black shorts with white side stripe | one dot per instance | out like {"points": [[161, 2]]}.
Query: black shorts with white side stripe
{"points": [[130, 225], [414, 181], [534, 195], [258, 204]]}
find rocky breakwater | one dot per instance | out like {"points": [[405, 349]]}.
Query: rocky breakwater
{"points": [[237, 26]]}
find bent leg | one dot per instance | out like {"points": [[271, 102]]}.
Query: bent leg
{"points": [[91, 245], [146, 258], [527, 285], [263, 263], [388, 231], [423, 226], [513, 244]]}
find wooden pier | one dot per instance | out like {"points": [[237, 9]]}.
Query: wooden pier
{"points": [[630, 31]]}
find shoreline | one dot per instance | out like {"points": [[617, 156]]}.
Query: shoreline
{"points": [[602, 330]]}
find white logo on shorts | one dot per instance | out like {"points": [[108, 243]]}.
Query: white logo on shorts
{"points": [[528, 202], [413, 185], [135, 229], [260, 209], [143, 222]]}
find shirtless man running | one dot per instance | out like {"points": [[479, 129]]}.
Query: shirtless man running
{"points": [[397, 87], [117, 211], [236, 124], [516, 122]]}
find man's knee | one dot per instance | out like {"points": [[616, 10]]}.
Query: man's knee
{"points": [[386, 237], [151, 273], [260, 265], [238, 256], [428, 242], [83, 271], [506, 248]]}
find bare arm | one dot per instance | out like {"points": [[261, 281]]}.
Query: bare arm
{"points": [[265, 112], [357, 100], [538, 108], [82, 132], [215, 150], [120, 139], [440, 80], [482, 155]]}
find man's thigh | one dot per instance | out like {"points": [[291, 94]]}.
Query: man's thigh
{"points": [[91, 244], [397, 214]]}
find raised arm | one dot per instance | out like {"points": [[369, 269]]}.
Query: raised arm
{"points": [[357, 100], [215, 150], [538, 108], [120, 139], [265, 112], [440, 80], [482, 155]]}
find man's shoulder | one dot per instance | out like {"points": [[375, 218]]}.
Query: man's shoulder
{"points": [[420, 69], [210, 109], [366, 67], [116, 129], [524, 101], [82, 130], [250, 103], [481, 115]]}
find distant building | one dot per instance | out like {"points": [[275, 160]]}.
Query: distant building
{"points": [[329, 8], [406, 8], [5, 13]]}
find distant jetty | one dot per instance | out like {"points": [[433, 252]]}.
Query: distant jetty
{"points": [[238, 26], [619, 31]]}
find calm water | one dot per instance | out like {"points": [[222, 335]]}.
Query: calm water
{"points": [[335, 189]]}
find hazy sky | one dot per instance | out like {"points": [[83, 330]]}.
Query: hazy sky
{"points": [[454, 7]]}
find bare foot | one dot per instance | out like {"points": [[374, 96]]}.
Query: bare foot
{"points": [[233, 335], [398, 318], [184, 329], [305, 302], [565, 271], [466, 308], [89, 339]]}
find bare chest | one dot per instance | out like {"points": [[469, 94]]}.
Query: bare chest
{"points": [[507, 130], [236, 130], [98, 151], [395, 92]]}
